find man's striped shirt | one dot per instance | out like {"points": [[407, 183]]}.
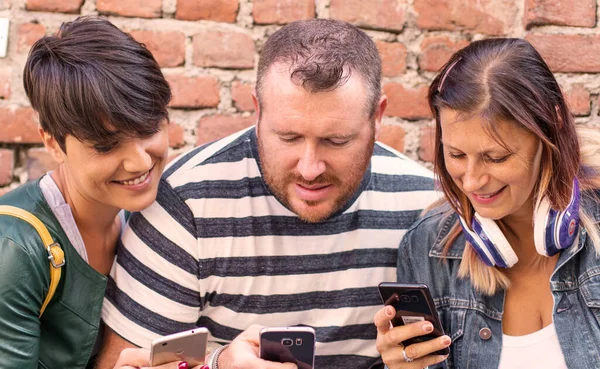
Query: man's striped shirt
{"points": [[218, 250]]}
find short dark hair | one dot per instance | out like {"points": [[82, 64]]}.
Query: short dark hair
{"points": [[96, 83], [506, 78], [323, 53]]}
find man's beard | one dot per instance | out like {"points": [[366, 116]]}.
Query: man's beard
{"points": [[280, 183]]}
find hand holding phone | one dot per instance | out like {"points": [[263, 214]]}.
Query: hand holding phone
{"points": [[288, 345], [413, 306], [189, 346]]}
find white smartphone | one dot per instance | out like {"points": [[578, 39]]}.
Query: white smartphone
{"points": [[288, 345], [189, 346]]}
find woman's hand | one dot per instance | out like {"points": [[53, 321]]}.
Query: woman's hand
{"points": [[418, 355], [137, 358]]}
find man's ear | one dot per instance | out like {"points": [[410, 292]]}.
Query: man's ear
{"points": [[52, 146], [378, 116]]}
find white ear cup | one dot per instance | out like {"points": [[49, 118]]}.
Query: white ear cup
{"points": [[540, 222], [498, 240]]}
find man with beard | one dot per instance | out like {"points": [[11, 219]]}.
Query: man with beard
{"points": [[292, 222]]}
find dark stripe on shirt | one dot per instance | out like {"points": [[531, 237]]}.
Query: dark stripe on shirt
{"points": [[293, 226], [298, 264], [154, 281], [270, 304], [141, 316]]}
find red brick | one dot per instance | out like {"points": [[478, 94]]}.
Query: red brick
{"points": [[578, 13], [389, 15], [56, 6], [19, 126], [224, 49], [28, 34], [218, 126], [176, 135], [241, 93], [5, 74], [392, 136], [578, 98], [7, 166], [491, 17], [214, 10], [569, 53], [194, 92], [282, 11], [393, 58], [168, 48], [426, 144], [130, 8], [39, 161], [436, 50], [406, 103]]}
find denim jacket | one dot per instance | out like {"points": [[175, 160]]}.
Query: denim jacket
{"points": [[474, 321]]}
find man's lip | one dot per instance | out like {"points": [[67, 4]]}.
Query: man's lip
{"points": [[313, 187]]}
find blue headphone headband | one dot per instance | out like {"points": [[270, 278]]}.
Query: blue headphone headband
{"points": [[553, 231]]}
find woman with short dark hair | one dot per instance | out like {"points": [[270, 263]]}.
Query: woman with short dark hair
{"points": [[511, 255], [102, 104]]}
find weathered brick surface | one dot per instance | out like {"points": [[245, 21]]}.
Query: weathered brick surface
{"points": [[426, 144], [375, 14], [407, 103], [392, 136], [214, 10], [57, 6], [5, 75], [436, 50], [393, 58], [578, 98], [224, 49], [217, 126], [7, 165], [568, 53], [131, 8], [241, 94], [579, 13], [491, 17], [5, 4], [39, 161], [28, 34], [194, 92], [168, 48], [282, 11], [19, 126], [176, 135]]}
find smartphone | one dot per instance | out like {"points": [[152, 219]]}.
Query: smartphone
{"points": [[413, 303], [288, 345], [187, 346]]}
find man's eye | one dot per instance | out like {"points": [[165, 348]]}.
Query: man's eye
{"points": [[288, 139], [338, 143]]}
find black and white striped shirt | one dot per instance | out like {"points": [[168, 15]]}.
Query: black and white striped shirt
{"points": [[218, 250]]}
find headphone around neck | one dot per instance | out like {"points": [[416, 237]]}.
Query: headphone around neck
{"points": [[553, 231]]}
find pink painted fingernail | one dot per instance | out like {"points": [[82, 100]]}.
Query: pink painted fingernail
{"points": [[182, 365], [204, 366], [446, 340], [389, 311], [427, 328]]}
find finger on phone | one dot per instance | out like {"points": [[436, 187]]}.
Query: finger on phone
{"points": [[422, 349], [432, 360], [383, 319]]}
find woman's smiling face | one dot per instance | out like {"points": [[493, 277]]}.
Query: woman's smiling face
{"points": [[498, 181]]}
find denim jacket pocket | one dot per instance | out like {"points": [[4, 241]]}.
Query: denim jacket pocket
{"points": [[453, 321]]}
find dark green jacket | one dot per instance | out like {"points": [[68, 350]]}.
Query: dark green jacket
{"points": [[65, 335]]}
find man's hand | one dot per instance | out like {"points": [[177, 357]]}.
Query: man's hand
{"points": [[242, 353]]}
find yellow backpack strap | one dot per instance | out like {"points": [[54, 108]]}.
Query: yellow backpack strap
{"points": [[55, 252]]}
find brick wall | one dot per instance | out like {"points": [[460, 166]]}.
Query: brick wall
{"points": [[208, 50]]}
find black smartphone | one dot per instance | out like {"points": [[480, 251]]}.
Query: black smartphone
{"points": [[288, 345], [413, 303]]}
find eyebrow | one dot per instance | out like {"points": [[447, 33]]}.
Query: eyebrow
{"points": [[485, 151], [336, 136]]}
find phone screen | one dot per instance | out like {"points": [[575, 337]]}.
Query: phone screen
{"points": [[413, 303]]}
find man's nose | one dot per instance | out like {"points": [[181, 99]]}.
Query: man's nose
{"points": [[310, 165]]}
